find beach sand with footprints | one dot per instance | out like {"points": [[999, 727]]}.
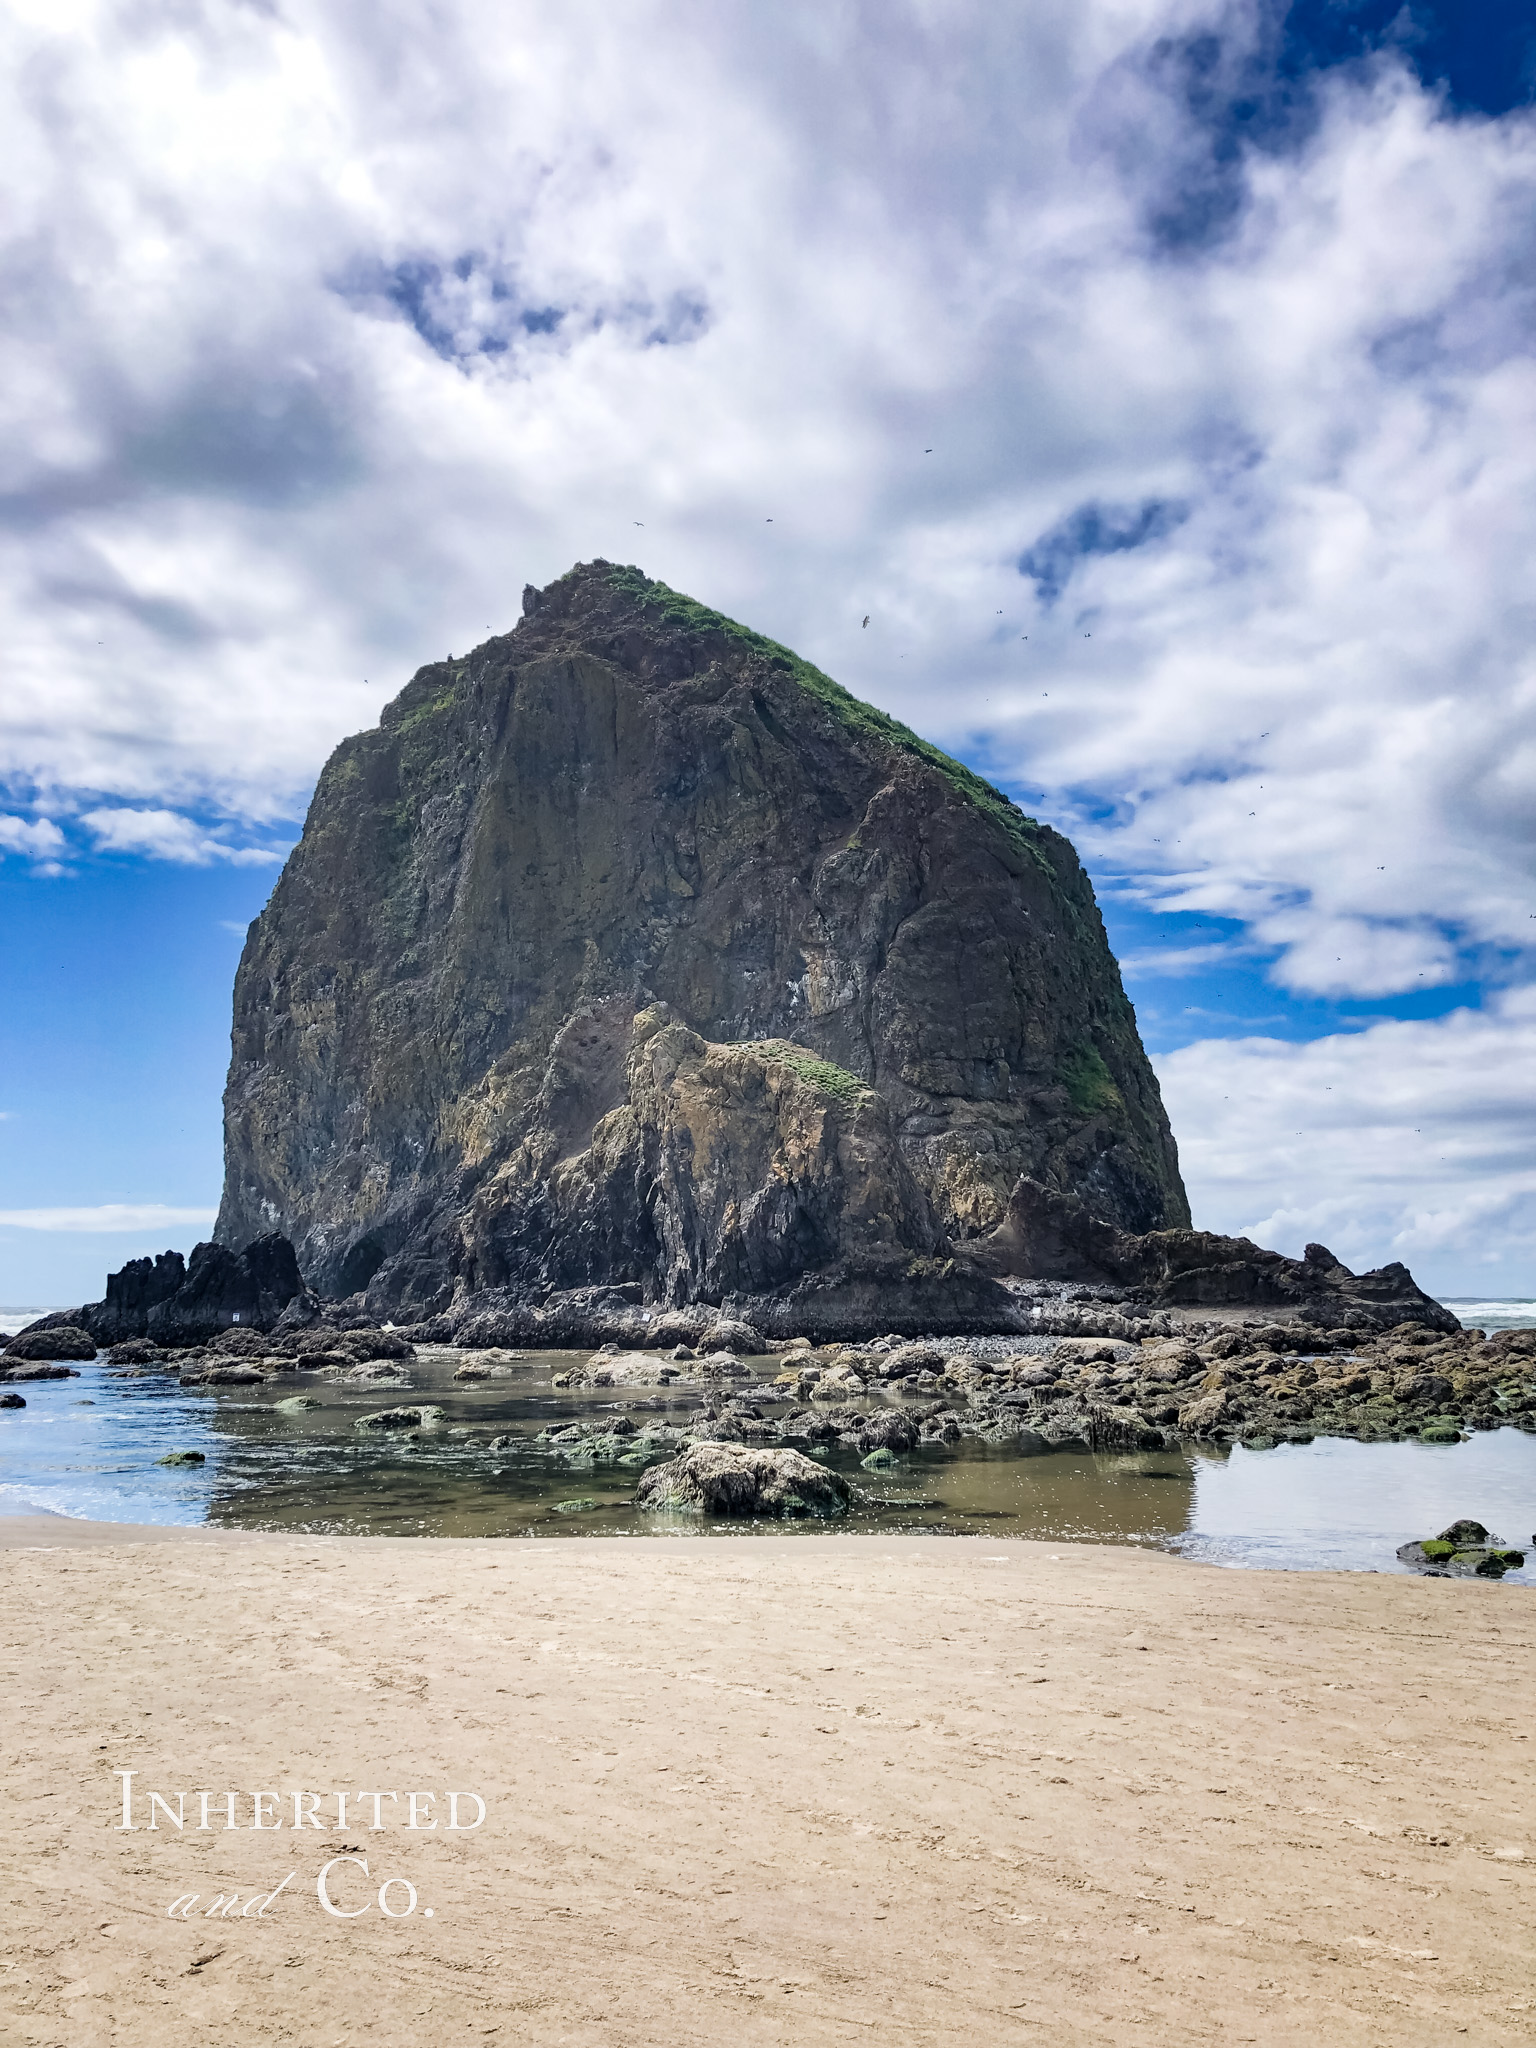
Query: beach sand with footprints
{"points": [[772, 1790]]}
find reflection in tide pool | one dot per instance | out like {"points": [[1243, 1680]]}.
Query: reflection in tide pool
{"points": [[91, 1447], [1337, 1504]]}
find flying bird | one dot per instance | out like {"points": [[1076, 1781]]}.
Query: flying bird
{"points": [[639, 522], [866, 621]]}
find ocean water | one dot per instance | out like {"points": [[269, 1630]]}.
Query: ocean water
{"points": [[91, 1447], [1475, 1313], [14, 1319]]}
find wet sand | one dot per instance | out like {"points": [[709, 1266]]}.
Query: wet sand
{"points": [[823, 1789]]}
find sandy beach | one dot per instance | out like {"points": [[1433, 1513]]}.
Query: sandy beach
{"points": [[800, 1789]]}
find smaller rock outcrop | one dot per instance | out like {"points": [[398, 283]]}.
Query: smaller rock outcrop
{"points": [[730, 1479], [175, 1302], [1049, 1234]]}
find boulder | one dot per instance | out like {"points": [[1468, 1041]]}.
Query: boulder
{"points": [[888, 1429], [727, 1479], [60, 1341], [727, 1335], [12, 1401], [135, 1351], [241, 1341], [1120, 1429], [909, 1359], [424, 1416], [1198, 1418]]}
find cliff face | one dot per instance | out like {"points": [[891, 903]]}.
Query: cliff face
{"points": [[632, 949]]}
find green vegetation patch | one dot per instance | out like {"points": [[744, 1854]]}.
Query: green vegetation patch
{"points": [[851, 712], [1089, 1082], [823, 1075]]}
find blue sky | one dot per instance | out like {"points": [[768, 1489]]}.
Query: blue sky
{"points": [[1157, 378]]}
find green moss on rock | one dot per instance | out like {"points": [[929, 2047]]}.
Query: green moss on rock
{"points": [[1089, 1083], [851, 712], [822, 1075]]}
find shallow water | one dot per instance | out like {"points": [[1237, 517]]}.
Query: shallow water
{"points": [[89, 1447]]}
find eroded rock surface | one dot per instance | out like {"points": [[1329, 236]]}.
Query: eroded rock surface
{"points": [[631, 951], [1049, 1231], [730, 1479]]}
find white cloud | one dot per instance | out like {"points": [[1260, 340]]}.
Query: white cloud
{"points": [[1411, 1141], [1154, 962], [109, 1217], [167, 835], [38, 838], [329, 329]]}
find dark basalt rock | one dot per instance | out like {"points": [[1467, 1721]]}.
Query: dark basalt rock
{"points": [[631, 952], [174, 1303], [138, 1287], [224, 1287], [1047, 1232]]}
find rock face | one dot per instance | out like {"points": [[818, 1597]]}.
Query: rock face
{"points": [[1048, 1232], [630, 951], [175, 1302]]}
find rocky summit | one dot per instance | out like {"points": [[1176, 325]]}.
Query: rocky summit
{"points": [[631, 965], [630, 950]]}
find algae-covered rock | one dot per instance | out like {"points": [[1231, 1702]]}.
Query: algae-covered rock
{"points": [[66, 1340], [297, 1404], [1464, 1550], [182, 1458], [888, 1429], [730, 1479], [424, 1416]]}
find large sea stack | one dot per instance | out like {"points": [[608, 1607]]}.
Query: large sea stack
{"points": [[631, 953]]}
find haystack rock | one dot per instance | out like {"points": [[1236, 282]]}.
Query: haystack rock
{"points": [[632, 959]]}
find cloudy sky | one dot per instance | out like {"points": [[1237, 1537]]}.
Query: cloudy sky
{"points": [[1156, 374]]}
